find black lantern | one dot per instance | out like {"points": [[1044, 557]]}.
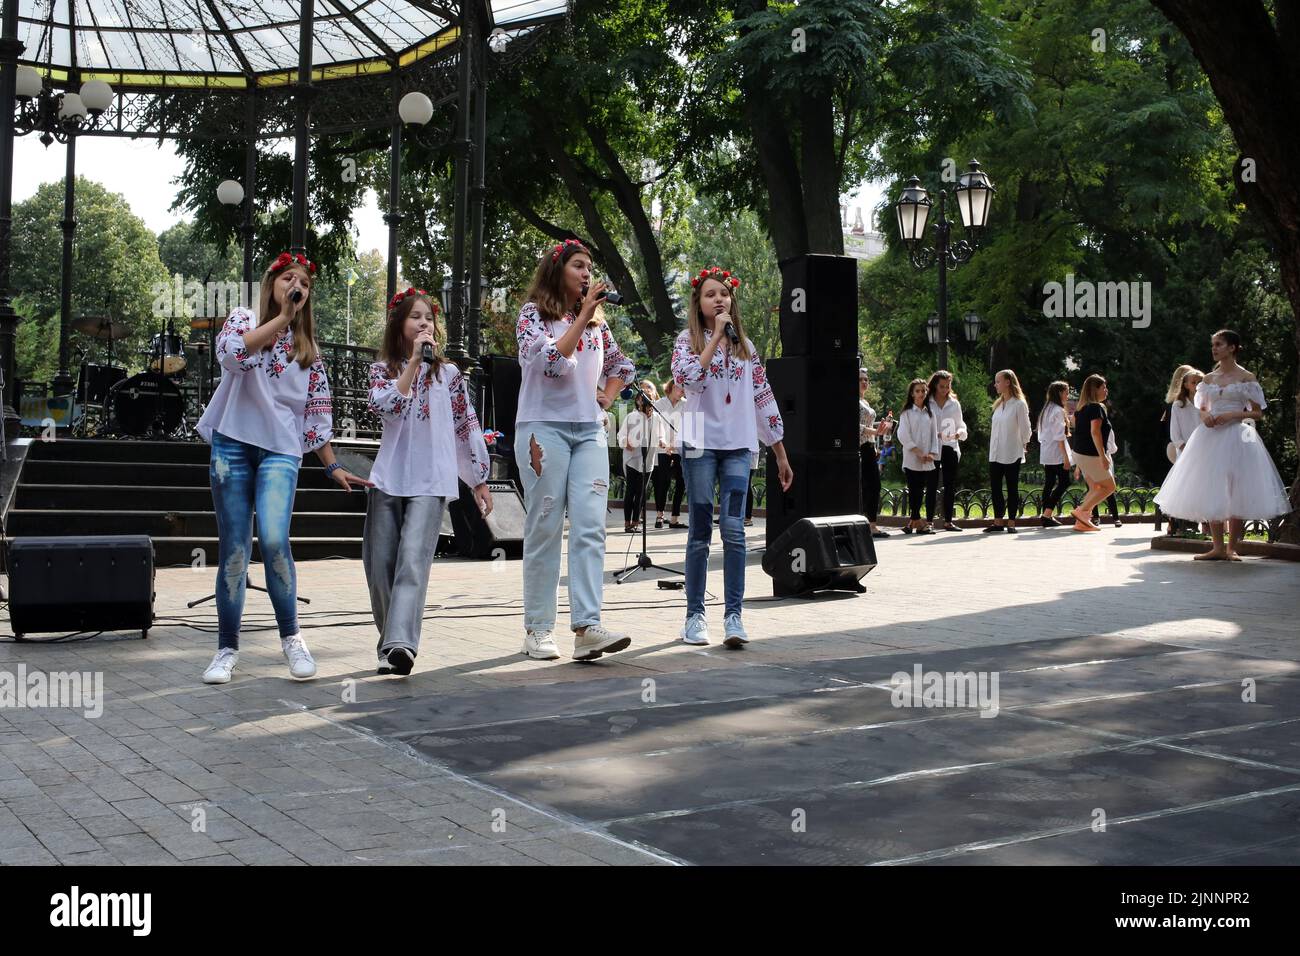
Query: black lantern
{"points": [[972, 325], [974, 195], [913, 210], [932, 328]]}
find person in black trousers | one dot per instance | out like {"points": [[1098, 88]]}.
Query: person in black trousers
{"points": [[868, 435], [668, 461]]}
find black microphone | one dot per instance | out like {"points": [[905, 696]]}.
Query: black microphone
{"points": [[296, 295], [426, 353], [730, 329]]}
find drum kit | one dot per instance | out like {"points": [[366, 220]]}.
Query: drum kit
{"points": [[160, 402]]}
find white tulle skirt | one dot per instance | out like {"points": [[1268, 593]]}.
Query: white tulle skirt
{"points": [[1224, 472]]}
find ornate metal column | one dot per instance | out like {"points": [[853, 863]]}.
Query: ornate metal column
{"points": [[461, 149], [477, 191], [250, 197], [10, 48], [394, 214], [303, 95], [62, 383]]}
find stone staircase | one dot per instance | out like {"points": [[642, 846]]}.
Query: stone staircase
{"points": [[97, 486]]}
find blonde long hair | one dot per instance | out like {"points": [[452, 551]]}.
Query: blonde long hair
{"points": [[305, 349], [700, 335], [1015, 392], [1088, 390], [1178, 384]]}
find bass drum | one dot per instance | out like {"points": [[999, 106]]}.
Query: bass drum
{"points": [[146, 403]]}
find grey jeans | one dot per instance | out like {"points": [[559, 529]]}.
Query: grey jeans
{"points": [[397, 551]]}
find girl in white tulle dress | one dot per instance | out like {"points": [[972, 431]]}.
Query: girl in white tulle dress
{"points": [[1224, 472]]}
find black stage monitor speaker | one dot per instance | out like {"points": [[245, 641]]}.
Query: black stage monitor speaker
{"points": [[821, 554], [501, 532], [819, 306], [823, 485], [73, 583]]}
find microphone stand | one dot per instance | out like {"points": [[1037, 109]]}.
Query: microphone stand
{"points": [[643, 561]]}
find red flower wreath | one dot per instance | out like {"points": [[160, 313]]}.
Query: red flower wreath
{"points": [[713, 272], [397, 300], [561, 246], [285, 258]]}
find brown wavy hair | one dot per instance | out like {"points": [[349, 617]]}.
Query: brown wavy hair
{"points": [[305, 349], [546, 291], [392, 351], [935, 379]]}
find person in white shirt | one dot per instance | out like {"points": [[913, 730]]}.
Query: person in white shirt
{"points": [[1183, 418], [870, 433], [732, 409], [272, 406], [565, 348], [943, 405], [636, 434], [918, 434], [1054, 451], [668, 464], [432, 440], [1009, 433]]}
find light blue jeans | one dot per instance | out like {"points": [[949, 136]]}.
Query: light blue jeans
{"points": [[397, 549], [245, 478], [563, 466], [706, 469]]}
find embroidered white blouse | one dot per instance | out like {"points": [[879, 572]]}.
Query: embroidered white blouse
{"points": [[1051, 434], [950, 423], [1184, 418], [431, 436], [266, 398], [1009, 432], [669, 425], [732, 405], [635, 431], [918, 433], [559, 389]]}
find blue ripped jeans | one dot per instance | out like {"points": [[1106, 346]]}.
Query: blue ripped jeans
{"points": [[706, 469], [246, 478]]}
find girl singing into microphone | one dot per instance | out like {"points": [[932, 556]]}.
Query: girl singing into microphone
{"points": [[565, 347], [431, 436], [272, 406], [732, 410]]}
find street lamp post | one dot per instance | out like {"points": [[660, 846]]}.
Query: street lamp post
{"points": [[974, 195], [60, 116]]}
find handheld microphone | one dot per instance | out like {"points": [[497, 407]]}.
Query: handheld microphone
{"points": [[426, 353], [296, 295], [612, 297], [730, 329]]}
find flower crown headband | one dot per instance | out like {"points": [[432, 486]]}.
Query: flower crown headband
{"points": [[286, 259], [561, 246], [713, 272], [397, 300]]}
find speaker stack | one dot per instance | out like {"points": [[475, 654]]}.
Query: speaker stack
{"points": [[500, 534], [815, 383]]}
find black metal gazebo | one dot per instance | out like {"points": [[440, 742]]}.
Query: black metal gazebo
{"points": [[260, 69]]}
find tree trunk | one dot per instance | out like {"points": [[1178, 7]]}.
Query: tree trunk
{"points": [[821, 180], [629, 200], [608, 249], [1254, 69]]}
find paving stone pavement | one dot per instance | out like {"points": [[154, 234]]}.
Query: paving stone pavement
{"points": [[484, 757]]}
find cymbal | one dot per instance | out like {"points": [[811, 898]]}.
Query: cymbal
{"points": [[202, 323], [101, 327]]}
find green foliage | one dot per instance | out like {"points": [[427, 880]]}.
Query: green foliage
{"points": [[115, 267]]}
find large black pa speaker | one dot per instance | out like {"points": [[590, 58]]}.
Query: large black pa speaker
{"points": [[824, 484], [831, 553], [499, 534], [819, 306], [74, 583], [818, 401]]}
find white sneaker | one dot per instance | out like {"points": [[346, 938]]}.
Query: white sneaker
{"points": [[735, 632], [695, 630], [596, 640], [301, 665], [218, 671], [540, 646]]}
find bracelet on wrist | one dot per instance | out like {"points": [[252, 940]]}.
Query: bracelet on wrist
{"points": [[331, 468]]}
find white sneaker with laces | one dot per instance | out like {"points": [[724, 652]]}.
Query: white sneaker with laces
{"points": [[218, 671], [540, 646], [695, 630], [735, 632], [301, 664], [597, 640]]}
